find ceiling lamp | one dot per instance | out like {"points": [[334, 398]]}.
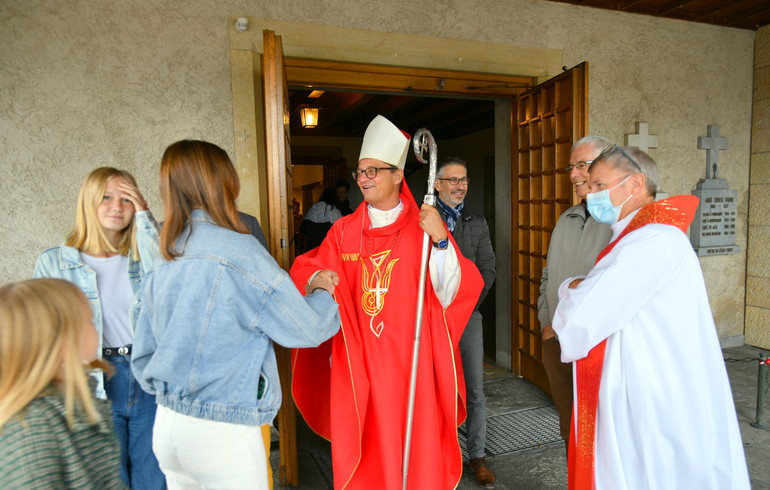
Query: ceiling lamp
{"points": [[309, 117]]}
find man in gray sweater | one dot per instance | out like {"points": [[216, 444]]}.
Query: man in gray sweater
{"points": [[575, 243], [471, 233]]}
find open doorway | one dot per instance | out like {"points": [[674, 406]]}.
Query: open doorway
{"points": [[321, 155]]}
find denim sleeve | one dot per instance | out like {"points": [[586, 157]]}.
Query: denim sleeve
{"points": [[145, 344], [147, 239], [292, 320]]}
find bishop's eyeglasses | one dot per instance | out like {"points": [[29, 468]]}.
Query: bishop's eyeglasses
{"points": [[370, 172]]}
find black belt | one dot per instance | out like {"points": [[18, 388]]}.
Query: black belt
{"points": [[117, 351]]}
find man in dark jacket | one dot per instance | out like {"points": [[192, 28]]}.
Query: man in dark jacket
{"points": [[471, 233]]}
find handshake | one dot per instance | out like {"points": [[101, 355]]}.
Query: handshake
{"points": [[325, 280]]}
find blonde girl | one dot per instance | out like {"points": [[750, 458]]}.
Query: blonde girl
{"points": [[112, 245], [53, 433]]}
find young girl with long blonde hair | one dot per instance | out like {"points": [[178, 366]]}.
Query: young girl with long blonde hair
{"points": [[113, 244], [53, 433]]}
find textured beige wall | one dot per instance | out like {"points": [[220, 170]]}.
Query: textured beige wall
{"points": [[758, 253], [83, 85]]}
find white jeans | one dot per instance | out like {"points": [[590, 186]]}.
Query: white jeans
{"points": [[202, 454]]}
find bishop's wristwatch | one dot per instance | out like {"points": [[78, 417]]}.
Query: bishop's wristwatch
{"points": [[441, 244]]}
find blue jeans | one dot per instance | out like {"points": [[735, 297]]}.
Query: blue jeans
{"points": [[133, 411]]}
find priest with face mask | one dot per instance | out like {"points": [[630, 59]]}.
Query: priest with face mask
{"points": [[653, 406]]}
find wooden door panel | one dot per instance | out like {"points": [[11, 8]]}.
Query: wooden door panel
{"points": [[281, 227], [549, 119]]}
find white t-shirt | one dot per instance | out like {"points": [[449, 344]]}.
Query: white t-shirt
{"points": [[115, 296]]}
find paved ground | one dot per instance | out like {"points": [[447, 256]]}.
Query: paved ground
{"points": [[544, 468]]}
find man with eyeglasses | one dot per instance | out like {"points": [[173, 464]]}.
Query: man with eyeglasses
{"points": [[575, 243], [653, 406], [471, 233], [354, 389]]}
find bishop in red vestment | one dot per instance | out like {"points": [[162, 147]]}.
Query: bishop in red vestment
{"points": [[353, 389]]}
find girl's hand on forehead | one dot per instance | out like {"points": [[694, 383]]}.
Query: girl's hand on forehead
{"points": [[133, 194]]}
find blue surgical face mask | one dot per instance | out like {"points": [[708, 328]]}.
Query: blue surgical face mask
{"points": [[600, 206]]}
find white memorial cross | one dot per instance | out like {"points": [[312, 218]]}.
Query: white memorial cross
{"points": [[643, 139], [712, 144]]}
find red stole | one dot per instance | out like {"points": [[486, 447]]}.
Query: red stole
{"points": [[676, 211], [364, 369]]}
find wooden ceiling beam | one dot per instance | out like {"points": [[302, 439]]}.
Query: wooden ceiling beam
{"points": [[675, 6], [625, 6], [744, 14], [714, 12], [429, 113], [760, 12], [354, 123], [458, 129], [454, 118]]}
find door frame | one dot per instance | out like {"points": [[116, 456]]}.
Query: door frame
{"points": [[477, 60]]}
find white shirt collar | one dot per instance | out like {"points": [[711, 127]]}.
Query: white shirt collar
{"points": [[380, 218]]}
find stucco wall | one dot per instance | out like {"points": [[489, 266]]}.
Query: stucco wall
{"points": [[84, 85], [758, 253]]}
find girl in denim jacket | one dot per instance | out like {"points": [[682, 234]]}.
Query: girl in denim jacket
{"points": [[212, 308], [113, 244]]}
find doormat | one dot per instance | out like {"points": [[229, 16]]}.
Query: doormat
{"points": [[517, 431], [506, 433], [323, 460]]}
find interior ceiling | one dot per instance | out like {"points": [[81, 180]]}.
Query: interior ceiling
{"points": [[743, 14], [347, 113]]}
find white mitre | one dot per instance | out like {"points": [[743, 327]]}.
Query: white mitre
{"points": [[385, 142]]}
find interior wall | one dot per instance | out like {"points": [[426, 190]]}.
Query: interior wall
{"points": [[307, 186], [86, 84], [473, 148], [306, 174], [758, 253]]}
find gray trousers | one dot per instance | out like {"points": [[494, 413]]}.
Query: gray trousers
{"points": [[472, 353]]}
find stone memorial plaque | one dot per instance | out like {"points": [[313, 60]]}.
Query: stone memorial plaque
{"points": [[715, 221], [714, 227]]}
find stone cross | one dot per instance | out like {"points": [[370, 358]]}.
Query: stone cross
{"points": [[712, 144], [643, 139]]}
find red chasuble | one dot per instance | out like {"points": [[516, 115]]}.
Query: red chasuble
{"points": [[676, 211], [353, 389]]}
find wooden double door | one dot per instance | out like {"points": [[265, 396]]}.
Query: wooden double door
{"points": [[545, 121]]}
